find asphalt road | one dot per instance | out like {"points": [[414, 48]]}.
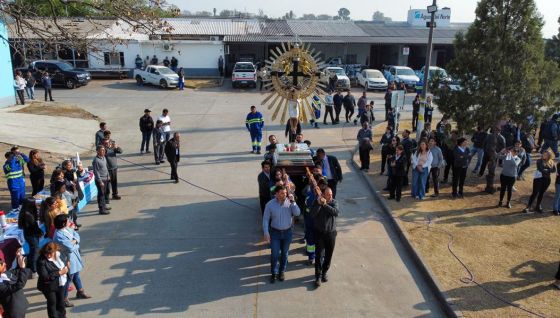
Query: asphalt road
{"points": [[175, 250]]}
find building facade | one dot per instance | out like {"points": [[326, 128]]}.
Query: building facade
{"points": [[7, 95]]}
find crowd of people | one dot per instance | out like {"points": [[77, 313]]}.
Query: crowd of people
{"points": [[284, 197], [58, 263], [25, 85]]}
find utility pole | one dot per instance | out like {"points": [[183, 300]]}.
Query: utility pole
{"points": [[420, 126]]}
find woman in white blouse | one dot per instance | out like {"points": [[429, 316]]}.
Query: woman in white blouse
{"points": [[421, 161]]}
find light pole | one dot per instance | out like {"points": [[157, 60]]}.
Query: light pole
{"points": [[420, 126]]}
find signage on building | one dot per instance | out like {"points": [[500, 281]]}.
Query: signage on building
{"points": [[405, 50], [419, 17]]}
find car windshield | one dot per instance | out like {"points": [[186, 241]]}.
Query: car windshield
{"points": [[405, 71], [244, 67], [337, 71], [374, 74], [65, 66], [439, 73], [166, 71]]}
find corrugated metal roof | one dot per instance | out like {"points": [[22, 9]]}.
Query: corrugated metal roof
{"points": [[76, 26], [325, 28], [399, 30], [182, 26]]}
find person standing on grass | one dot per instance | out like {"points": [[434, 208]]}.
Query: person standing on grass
{"points": [[365, 138], [146, 123], [415, 111], [541, 180], [46, 81], [437, 163], [409, 147], [397, 168], [422, 162], [36, 168], [388, 97], [478, 141], [556, 202], [461, 158], [173, 154], [166, 123], [385, 142], [510, 163], [19, 85], [324, 213], [277, 229]]}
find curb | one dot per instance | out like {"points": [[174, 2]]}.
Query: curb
{"points": [[448, 307]]}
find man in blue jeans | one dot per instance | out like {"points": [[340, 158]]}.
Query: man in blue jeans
{"points": [[146, 127], [277, 228]]}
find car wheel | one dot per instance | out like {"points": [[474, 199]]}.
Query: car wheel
{"points": [[163, 84], [139, 80], [70, 83]]}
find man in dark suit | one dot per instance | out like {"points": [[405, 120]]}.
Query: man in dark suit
{"points": [[173, 154], [331, 169], [12, 282], [409, 146], [264, 184]]}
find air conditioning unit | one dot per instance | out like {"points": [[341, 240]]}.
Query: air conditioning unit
{"points": [[214, 38], [168, 47]]}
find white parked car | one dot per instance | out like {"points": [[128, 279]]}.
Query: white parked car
{"points": [[401, 74], [372, 79], [157, 75], [342, 79], [244, 74]]}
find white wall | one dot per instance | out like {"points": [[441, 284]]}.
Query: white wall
{"points": [[191, 54], [130, 49]]}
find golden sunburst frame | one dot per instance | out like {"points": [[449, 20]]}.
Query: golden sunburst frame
{"points": [[292, 76]]}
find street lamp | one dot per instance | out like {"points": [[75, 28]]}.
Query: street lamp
{"points": [[420, 126]]}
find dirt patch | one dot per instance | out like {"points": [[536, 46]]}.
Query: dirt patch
{"points": [[56, 109], [513, 255], [203, 83]]}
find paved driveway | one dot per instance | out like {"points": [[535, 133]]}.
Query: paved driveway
{"points": [[175, 250]]}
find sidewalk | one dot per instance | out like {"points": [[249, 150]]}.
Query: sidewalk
{"points": [[56, 134]]}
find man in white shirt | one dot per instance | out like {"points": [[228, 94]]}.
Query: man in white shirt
{"points": [[166, 123]]}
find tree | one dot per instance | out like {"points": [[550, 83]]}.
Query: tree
{"points": [[308, 16], [289, 15], [380, 16], [226, 13], [500, 66], [552, 47], [324, 17], [344, 14], [214, 11], [47, 19], [203, 14]]}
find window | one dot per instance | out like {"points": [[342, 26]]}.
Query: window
{"points": [[114, 58]]}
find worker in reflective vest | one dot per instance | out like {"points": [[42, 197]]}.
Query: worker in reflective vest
{"points": [[13, 169], [254, 124]]}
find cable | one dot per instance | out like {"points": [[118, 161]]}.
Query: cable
{"points": [[470, 279], [166, 173]]}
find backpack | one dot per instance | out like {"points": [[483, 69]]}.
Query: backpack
{"points": [[551, 130]]}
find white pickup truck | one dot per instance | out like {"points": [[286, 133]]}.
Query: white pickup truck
{"points": [[156, 75], [244, 74]]}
